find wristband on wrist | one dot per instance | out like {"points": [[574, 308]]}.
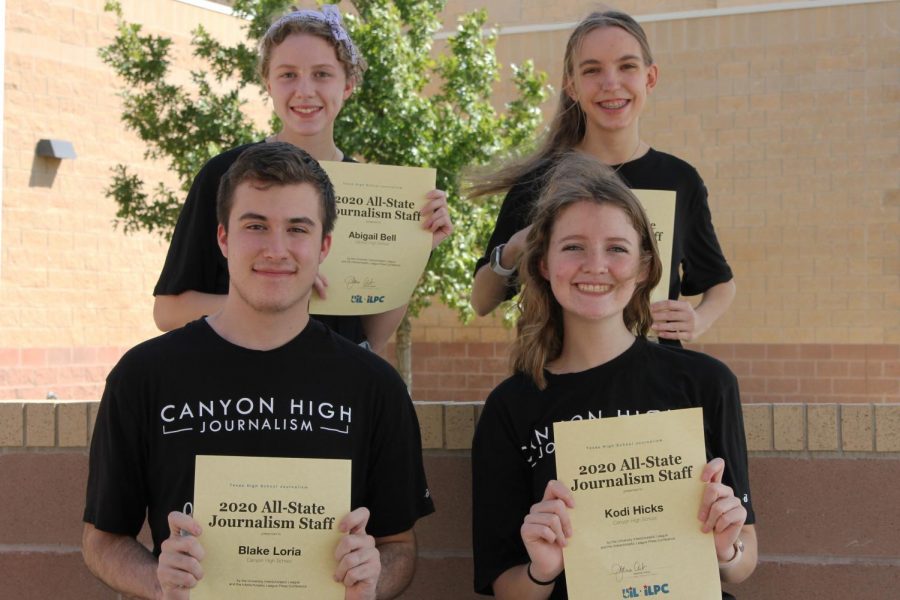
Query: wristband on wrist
{"points": [[496, 267], [738, 553], [537, 581]]}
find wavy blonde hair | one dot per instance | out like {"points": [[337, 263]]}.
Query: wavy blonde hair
{"points": [[577, 177]]}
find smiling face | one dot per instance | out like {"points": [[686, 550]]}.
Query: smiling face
{"points": [[308, 86], [610, 80], [592, 262], [274, 244]]}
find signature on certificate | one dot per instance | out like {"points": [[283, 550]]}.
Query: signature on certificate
{"points": [[620, 570], [352, 282]]}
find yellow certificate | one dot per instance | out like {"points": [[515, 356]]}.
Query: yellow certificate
{"points": [[637, 488], [660, 208], [379, 248], [269, 526]]}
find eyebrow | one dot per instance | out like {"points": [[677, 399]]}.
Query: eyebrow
{"points": [[593, 61], [250, 216], [293, 66], [578, 236]]}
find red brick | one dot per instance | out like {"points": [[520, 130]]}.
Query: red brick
{"points": [[480, 382], [850, 386], [892, 369], [455, 380], [449, 349], [58, 574], [34, 357], [9, 357], [426, 380], [85, 355], [466, 365], [852, 351], [883, 351], [752, 385], [882, 386], [782, 385], [720, 351], [496, 365], [767, 367], [832, 368], [739, 367], [856, 369], [816, 386], [782, 351], [480, 350], [749, 351], [426, 349], [800, 367], [818, 351], [501, 349], [438, 365], [59, 356]]}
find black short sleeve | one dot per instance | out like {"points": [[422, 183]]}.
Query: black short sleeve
{"points": [[397, 493], [501, 494], [117, 495], [703, 263], [514, 215]]}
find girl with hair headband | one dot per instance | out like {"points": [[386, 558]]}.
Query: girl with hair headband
{"points": [[310, 67], [608, 73], [589, 264]]}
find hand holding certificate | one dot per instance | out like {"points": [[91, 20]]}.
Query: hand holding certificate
{"points": [[637, 489], [270, 527]]}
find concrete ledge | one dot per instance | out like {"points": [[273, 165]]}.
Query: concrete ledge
{"points": [[813, 427]]}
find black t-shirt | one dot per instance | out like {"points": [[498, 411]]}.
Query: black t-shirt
{"points": [[195, 262], [695, 248], [512, 453], [190, 392]]}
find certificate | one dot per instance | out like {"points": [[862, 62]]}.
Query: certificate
{"points": [[269, 526], [637, 488], [660, 208], [379, 248]]}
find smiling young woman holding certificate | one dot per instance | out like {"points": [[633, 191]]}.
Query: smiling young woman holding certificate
{"points": [[581, 353]]}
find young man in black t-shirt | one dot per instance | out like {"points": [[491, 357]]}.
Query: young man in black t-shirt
{"points": [[257, 378]]}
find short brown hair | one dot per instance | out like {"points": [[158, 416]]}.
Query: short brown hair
{"points": [[276, 163]]}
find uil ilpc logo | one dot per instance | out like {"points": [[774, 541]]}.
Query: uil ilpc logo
{"points": [[646, 590]]}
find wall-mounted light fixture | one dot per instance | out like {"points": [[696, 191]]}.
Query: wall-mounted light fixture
{"points": [[58, 149]]}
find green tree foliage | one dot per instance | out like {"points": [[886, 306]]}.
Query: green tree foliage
{"points": [[414, 108]]}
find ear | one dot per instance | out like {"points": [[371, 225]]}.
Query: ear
{"points": [[652, 76], [222, 238], [569, 88], [348, 88], [326, 248]]}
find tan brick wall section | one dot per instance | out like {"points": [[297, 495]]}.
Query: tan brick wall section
{"points": [[68, 278], [834, 428]]}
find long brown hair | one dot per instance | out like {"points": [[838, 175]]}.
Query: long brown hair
{"points": [[568, 126], [577, 177]]}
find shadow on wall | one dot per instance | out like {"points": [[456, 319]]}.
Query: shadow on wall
{"points": [[43, 171]]}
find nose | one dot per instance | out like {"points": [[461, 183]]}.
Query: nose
{"points": [[276, 247], [303, 86], [610, 79], [595, 261]]}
